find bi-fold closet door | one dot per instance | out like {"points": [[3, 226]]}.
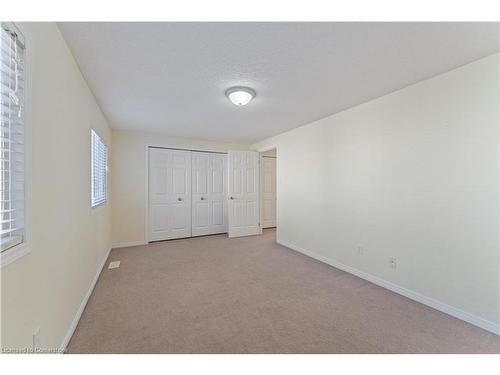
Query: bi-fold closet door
{"points": [[209, 198], [187, 193], [169, 194]]}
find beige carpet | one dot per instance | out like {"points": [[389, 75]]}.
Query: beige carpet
{"points": [[251, 295]]}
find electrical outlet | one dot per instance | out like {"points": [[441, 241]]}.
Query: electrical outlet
{"points": [[114, 264], [36, 339], [392, 262]]}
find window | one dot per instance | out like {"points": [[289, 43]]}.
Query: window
{"points": [[99, 166], [12, 131]]}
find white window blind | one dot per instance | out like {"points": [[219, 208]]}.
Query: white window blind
{"points": [[99, 165], [12, 136]]}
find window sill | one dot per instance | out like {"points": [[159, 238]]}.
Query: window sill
{"points": [[9, 256]]}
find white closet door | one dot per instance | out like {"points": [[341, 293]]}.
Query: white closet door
{"points": [[201, 195], [209, 193], [169, 194], [218, 193], [243, 191], [268, 191]]}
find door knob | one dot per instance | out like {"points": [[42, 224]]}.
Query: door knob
{"points": [[231, 198], [202, 198], [179, 199]]}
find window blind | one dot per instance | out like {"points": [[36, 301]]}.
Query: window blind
{"points": [[12, 136], [99, 166]]}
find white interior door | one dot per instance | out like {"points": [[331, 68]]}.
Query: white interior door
{"points": [[209, 181], [243, 192], [169, 194], [218, 193], [268, 191]]}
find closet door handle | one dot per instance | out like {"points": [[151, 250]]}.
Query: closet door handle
{"points": [[202, 198], [179, 199], [232, 198]]}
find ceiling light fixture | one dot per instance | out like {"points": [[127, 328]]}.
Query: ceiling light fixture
{"points": [[240, 95]]}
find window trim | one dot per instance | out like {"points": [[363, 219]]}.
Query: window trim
{"points": [[16, 252], [100, 203]]}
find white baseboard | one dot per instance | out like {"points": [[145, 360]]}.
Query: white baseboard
{"points": [[443, 307], [79, 312], [128, 244]]}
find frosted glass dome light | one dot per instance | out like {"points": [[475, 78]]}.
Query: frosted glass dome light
{"points": [[240, 95]]}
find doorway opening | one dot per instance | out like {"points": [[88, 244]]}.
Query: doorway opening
{"points": [[268, 188]]}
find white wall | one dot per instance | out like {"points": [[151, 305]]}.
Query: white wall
{"points": [[129, 179], [412, 175], [69, 239]]}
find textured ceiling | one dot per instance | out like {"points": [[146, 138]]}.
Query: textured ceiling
{"points": [[171, 77]]}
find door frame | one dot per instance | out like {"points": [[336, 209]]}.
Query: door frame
{"points": [[261, 189], [146, 169], [261, 213]]}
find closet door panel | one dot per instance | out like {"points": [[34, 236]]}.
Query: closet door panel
{"points": [[209, 193], [169, 194], [200, 193], [218, 193]]}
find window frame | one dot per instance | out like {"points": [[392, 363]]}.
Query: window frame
{"points": [[18, 251], [93, 204]]}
